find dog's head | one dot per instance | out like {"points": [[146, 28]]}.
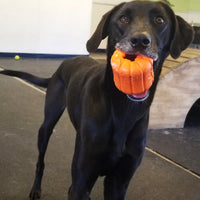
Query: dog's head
{"points": [[143, 27]]}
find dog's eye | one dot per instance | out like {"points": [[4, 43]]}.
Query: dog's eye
{"points": [[159, 20], [124, 20]]}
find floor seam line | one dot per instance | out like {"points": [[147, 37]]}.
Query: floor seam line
{"points": [[172, 162]]}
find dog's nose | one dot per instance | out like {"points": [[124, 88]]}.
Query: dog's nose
{"points": [[142, 40]]}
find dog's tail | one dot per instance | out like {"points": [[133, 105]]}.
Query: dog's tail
{"points": [[42, 82]]}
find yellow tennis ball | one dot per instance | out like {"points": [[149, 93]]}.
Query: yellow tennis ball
{"points": [[17, 57]]}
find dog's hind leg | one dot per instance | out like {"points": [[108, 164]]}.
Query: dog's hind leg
{"points": [[54, 106]]}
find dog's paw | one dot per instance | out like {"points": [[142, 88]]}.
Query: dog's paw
{"points": [[35, 194]]}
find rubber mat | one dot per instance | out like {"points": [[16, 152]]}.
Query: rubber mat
{"points": [[179, 145]]}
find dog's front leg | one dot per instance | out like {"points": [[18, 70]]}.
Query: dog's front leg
{"points": [[116, 183], [85, 171]]}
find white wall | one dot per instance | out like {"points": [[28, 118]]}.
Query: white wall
{"points": [[193, 17], [45, 26]]}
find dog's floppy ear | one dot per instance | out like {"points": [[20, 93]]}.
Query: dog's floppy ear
{"points": [[183, 36], [101, 31]]}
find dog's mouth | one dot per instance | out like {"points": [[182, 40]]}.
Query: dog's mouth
{"points": [[133, 74], [130, 57], [139, 97]]}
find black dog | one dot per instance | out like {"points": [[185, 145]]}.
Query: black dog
{"points": [[111, 127]]}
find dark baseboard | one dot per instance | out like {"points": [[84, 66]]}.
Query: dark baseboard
{"points": [[36, 55]]}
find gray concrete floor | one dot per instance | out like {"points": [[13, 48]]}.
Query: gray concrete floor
{"points": [[170, 168]]}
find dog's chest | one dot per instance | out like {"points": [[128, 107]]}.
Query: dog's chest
{"points": [[119, 141], [114, 152], [126, 128]]}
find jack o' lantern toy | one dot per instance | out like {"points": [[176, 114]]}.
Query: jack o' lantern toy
{"points": [[132, 77]]}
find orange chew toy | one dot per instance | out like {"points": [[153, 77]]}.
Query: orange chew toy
{"points": [[132, 77]]}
